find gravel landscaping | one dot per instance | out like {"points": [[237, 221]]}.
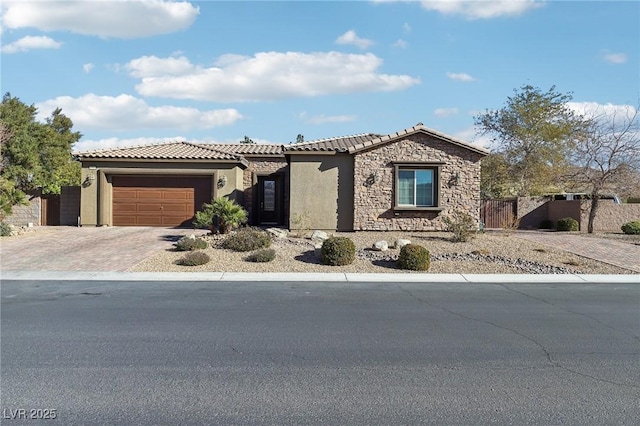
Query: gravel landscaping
{"points": [[491, 252]]}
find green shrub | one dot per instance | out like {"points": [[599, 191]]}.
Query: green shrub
{"points": [[631, 228], [461, 224], [546, 224], [222, 210], [5, 229], [338, 251], [194, 258], [247, 239], [414, 257], [191, 244], [262, 255], [567, 224]]}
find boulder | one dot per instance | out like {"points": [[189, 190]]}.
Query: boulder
{"points": [[381, 245], [319, 237], [277, 232], [401, 242], [190, 237]]}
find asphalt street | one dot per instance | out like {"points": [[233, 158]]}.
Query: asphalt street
{"points": [[319, 353]]}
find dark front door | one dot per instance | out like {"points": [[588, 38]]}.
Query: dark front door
{"points": [[270, 198]]}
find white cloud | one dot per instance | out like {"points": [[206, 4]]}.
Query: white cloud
{"points": [[400, 43], [88, 67], [29, 43], [615, 58], [460, 77], [482, 9], [445, 112], [406, 28], [119, 19], [472, 136], [152, 66], [265, 76], [608, 110], [126, 112], [350, 37], [322, 119]]}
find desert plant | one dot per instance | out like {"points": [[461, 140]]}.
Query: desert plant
{"points": [[222, 210], [247, 239], [300, 224], [414, 257], [510, 224], [194, 258], [191, 244], [567, 224], [546, 224], [262, 255], [461, 224], [338, 251], [631, 228], [5, 229]]}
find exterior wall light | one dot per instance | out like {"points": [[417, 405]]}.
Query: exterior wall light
{"points": [[222, 181], [88, 181]]}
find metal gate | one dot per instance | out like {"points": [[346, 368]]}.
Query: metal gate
{"points": [[499, 213]]}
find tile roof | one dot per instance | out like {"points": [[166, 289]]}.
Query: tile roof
{"points": [[418, 128], [165, 151], [337, 144], [250, 148]]}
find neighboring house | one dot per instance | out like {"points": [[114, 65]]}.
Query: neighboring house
{"points": [[402, 181]]}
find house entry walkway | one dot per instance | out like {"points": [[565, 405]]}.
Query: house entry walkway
{"points": [[624, 255]]}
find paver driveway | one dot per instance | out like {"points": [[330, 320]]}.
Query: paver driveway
{"points": [[63, 248]]}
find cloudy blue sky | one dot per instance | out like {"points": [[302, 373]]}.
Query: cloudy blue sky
{"points": [[131, 72]]}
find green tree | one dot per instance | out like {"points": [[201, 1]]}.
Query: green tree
{"points": [[300, 138], [534, 132], [495, 181], [37, 155], [247, 140]]}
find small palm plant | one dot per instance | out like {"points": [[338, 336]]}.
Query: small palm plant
{"points": [[222, 210]]}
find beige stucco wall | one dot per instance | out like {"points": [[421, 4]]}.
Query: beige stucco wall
{"points": [[321, 190], [95, 199], [609, 216], [373, 203]]}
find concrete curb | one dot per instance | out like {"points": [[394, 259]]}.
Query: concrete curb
{"points": [[311, 277]]}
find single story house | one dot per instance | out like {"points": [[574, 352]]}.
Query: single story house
{"points": [[402, 181]]}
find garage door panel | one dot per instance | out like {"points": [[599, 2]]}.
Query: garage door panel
{"points": [[147, 194], [159, 201], [124, 208], [178, 195]]}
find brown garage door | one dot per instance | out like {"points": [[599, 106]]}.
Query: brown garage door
{"points": [[158, 201]]}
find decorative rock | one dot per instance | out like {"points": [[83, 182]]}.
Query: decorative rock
{"points": [[381, 245], [190, 237], [277, 232], [401, 242], [319, 237]]}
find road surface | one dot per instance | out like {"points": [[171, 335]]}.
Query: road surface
{"points": [[319, 353]]}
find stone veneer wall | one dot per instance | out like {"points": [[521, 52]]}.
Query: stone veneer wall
{"points": [[373, 204], [263, 166]]}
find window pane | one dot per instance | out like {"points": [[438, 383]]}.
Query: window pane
{"points": [[406, 183], [424, 187], [269, 194]]}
